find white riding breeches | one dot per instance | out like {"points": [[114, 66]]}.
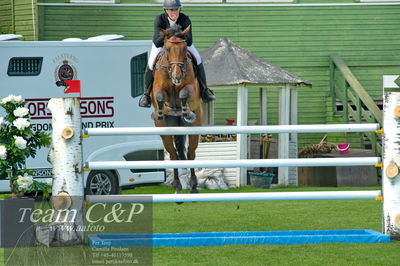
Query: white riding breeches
{"points": [[155, 51]]}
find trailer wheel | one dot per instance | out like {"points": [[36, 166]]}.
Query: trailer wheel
{"points": [[101, 183]]}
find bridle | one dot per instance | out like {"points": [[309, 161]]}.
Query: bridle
{"points": [[181, 64]]}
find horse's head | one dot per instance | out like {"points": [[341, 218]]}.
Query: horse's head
{"points": [[175, 49]]}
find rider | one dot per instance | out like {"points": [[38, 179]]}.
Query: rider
{"points": [[170, 17]]}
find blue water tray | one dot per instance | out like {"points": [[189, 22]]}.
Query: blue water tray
{"points": [[237, 238]]}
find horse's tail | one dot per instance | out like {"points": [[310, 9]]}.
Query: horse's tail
{"points": [[180, 146]]}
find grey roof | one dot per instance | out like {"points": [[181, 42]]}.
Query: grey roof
{"points": [[226, 63]]}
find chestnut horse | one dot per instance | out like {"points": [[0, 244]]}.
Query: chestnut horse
{"points": [[176, 99]]}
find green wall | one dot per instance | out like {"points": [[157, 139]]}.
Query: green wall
{"points": [[295, 37], [19, 17], [5, 17]]}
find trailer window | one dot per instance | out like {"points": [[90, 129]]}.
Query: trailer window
{"points": [[24, 66], [145, 155], [138, 67]]}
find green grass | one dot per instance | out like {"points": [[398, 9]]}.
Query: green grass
{"points": [[263, 215], [270, 216]]}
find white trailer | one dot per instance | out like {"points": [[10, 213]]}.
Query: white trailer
{"points": [[111, 78]]}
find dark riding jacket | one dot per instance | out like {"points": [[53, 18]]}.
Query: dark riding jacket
{"points": [[161, 23]]}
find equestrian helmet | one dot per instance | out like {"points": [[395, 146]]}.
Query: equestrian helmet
{"points": [[172, 4]]}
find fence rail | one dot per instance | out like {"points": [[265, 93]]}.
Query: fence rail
{"points": [[349, 161], [250, 196], [231, 129]]}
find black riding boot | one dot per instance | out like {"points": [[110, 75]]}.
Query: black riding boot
{"points": [[145, 100], [206, 94]]}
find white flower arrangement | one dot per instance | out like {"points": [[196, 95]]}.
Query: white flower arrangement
{"points": [[12, 99], [21, 123], [21, 112], [24, 182], [3, 152], [18, 141]]}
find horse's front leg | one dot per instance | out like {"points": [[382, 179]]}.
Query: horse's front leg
{"points": [[188, 115], [168, 143], [158, 114], [193, 143]]}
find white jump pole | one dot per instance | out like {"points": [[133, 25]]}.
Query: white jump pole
{"points": [[391, 158], [230, 129], [353, 161], [251, 196]]}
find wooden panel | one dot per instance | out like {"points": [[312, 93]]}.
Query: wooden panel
{"points": [[24, 20], [5, 16], [222, 151]]}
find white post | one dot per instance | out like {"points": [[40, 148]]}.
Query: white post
{"points": [[66, 152], [263, 106], [66, 157], [293, 112], [293, 136], [283, 144], [208, 114], [242, 100], [211, 115], [391, 163]]}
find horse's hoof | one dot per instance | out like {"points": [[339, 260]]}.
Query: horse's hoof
{"points": [[194, 191], [178, 192], [177, 186], [189, 118]]}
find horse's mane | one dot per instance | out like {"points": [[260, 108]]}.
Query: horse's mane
{"points": [[174, 30]]}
